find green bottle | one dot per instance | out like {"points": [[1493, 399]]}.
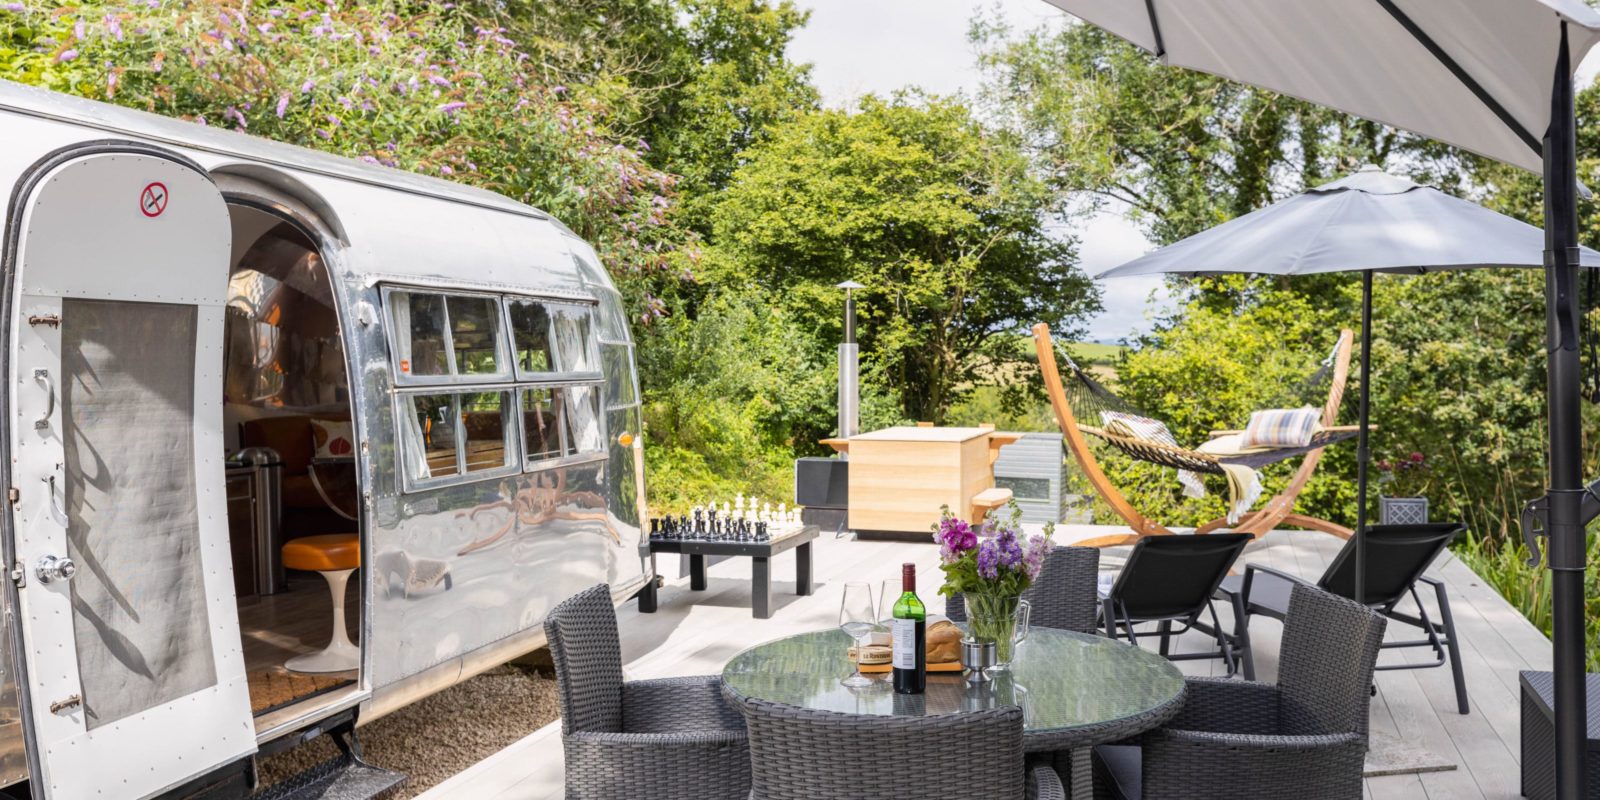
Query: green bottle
{"points": [[910, 636]]}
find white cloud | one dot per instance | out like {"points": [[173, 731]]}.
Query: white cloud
{"points": [[863, 47]]}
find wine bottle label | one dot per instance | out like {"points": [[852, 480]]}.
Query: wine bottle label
{"points": [[905, 644]]}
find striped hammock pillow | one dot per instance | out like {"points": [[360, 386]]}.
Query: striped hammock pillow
{"points": [[1137, 427], [1282, 427]]}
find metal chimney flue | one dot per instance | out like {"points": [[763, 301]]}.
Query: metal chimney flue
{"points": [[849, 367]]}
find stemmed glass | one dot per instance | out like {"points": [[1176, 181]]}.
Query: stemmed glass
{"points": [[858, 619]]}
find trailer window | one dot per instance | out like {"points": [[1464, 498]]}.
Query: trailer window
{"points": [[618, 362], [448, 436], [541, 424], [430, 437], [475, 332], [573, 340], [507, 383], [583, 421], [486, 421], [446, 338], [419, 332]]}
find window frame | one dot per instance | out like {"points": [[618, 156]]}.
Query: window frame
{"points": [[454, 377], [512, 382], [593, 342]]}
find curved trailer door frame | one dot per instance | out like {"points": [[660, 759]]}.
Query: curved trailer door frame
{"points": [[133, 671]]}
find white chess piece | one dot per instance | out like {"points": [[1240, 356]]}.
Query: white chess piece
{"points": [[766, 512], [727, 510], [738, 503]]}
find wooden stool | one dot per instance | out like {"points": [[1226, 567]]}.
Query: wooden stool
{"points": [[987, 500], [335, 556]]}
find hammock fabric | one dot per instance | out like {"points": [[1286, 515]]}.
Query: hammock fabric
{"points": [[1196, 461], [1088, 398]]}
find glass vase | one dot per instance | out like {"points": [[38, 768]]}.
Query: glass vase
{"points": [[998, 618]]}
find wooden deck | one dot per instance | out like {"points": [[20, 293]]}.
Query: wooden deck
{"points": [[697, 632]]}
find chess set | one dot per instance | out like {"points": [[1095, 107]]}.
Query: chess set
{"points": [[740, 521]]}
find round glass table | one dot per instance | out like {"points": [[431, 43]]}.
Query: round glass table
{"points": [[1075, 689]]}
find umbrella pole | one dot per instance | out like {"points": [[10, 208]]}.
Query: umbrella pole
{"points": [[1565, 524], [1363, 454]]}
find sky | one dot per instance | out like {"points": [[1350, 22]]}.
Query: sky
{"points": [[858, 47]]}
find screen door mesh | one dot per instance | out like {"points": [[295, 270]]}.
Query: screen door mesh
{"points": [[138, 601]]}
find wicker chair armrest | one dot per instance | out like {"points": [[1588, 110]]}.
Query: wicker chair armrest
{"points": [[1045, 784], [674, 705], [1186, 764], [678, 766], [1222, 705]]}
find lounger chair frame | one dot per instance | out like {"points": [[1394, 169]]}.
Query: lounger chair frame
{"points": [[1277, 511]]}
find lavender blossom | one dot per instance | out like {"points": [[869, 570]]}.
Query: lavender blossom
{"points": [[283, 105], [67, 55], [988, 560], [1033, 559]]}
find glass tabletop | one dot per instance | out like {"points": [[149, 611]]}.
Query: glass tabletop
{"points": [[1061, 679]]}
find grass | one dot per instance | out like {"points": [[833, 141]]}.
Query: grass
{"points": [[1096, 353], [1503, 564]]}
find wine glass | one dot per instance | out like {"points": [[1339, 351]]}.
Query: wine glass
{"points": [[857, 618]]}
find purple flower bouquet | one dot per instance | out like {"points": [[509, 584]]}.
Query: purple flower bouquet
{"points": [[991, 566]]}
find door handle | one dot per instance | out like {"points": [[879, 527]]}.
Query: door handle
{"points": [[55, 568], [42, 377], [57, 513]]}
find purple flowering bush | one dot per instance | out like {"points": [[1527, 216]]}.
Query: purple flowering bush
{"points": [[992, 559], [420, 86]]}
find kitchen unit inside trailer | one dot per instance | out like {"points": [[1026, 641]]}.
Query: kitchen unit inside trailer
{"points": [[292, 441]]}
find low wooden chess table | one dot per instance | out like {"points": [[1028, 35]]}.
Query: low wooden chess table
{"points": [[760, 554]]}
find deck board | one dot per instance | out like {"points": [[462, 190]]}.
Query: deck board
{"points": [[697, 632]]}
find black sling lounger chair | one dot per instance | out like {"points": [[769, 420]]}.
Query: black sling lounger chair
{"points": [[1171, 579], [1397, 555]]}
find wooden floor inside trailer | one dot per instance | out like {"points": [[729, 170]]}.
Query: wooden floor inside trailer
{"points": [[278, 627], [697, 632]]}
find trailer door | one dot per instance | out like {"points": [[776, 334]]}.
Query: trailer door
{"points": [[134, 671]]}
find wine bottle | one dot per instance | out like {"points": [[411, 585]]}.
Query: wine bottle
{"points": [[910, 636]]}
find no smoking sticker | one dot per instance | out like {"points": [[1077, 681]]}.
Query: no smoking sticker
{"points": [[153, 200]]}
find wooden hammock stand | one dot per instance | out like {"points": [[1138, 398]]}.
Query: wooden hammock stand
{"points": [[1277, 511]]}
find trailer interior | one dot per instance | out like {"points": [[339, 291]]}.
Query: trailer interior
{"points": [[286, 390]]}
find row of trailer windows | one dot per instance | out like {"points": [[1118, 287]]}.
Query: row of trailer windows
{"points": [[475, 402]]}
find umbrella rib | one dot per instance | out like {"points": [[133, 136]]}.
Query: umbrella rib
{"points": [[1155, 28], [1460, 74]]}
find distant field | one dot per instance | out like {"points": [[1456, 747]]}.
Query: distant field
{"points": [[1096, 353]]}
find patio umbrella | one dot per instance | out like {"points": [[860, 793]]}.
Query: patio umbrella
{"points": [[1490, 76], [1370, 221]]}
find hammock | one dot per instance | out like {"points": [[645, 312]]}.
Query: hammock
{"points": [[1089, 397], [1208, 463]]}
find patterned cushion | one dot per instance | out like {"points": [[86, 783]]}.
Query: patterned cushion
{"points": [[1137, 427], [332, 439], [1282, 427]]}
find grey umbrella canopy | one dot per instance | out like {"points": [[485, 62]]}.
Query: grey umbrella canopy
{"points": [[1370, 221], [1491, 76]]}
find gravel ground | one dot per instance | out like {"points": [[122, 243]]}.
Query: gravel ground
{"points": [[435, 738]]}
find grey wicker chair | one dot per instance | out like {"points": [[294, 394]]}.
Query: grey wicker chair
{"points": [[1063, 597], [803, 754], [667, 738], [1305, 737]]}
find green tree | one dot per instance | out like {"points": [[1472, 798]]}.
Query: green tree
{"points": [[420, 86], [696, 81], [1182, 150], [938, 217]]}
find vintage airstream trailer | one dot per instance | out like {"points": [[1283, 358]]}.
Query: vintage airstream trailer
{"points": [[210, 337]]}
